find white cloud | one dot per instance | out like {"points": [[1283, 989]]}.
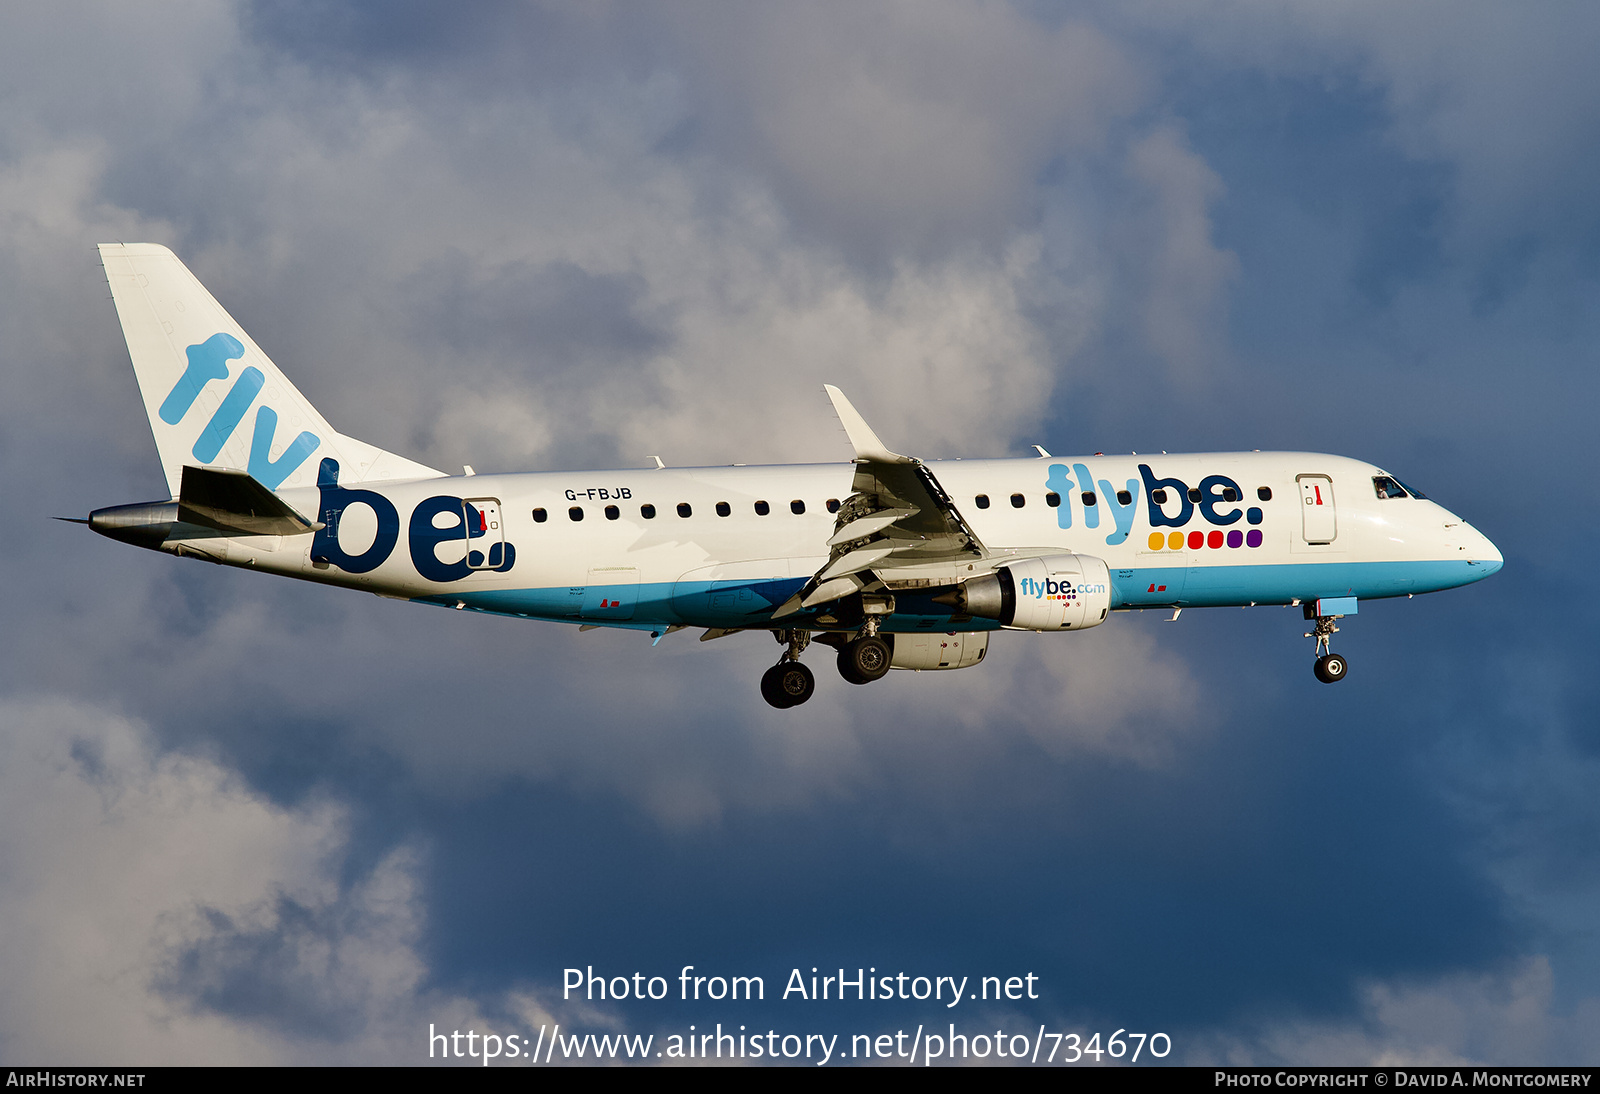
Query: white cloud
{"points": [[1186, 274], [900, 128], [155, 911], [1507, 1017]]}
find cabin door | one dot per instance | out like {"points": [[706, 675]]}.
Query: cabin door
{"points": [[485, 532], [1318, 519]]}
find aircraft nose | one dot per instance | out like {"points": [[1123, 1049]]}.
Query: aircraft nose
{"points": [[1484, 555]]}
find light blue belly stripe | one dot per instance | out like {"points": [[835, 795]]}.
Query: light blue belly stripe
{"points": [[1226, 586], [750, 604]]}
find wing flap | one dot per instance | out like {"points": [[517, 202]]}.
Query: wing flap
{"points": [[865, 527], [897, 517]]}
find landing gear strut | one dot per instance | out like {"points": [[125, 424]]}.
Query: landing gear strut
{"points": [[1329, 666], [789, 683]]}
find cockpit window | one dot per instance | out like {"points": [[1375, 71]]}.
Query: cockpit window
{"points": [[1385, 487], [1413, 491]]}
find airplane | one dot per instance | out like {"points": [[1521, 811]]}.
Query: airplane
{"points": [[892, 561]]}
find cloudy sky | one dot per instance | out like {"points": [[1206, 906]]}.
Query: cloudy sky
{"points": [[246, 820]]}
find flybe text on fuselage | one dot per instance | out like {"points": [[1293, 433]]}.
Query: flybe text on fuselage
{"points": [[434, 522], [1216, 500]]}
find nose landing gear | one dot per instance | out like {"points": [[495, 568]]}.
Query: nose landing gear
{"points": [[1329, 667]]}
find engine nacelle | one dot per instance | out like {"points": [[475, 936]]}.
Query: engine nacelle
{"points": [[939, 651], [1054, 593]]}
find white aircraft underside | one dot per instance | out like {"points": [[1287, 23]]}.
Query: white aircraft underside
{"points": [[893, 561]]}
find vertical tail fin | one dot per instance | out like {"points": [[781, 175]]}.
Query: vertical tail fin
{"points": [[213, 398]]}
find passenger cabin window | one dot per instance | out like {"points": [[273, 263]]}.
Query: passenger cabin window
{"points": [[1264, 493], [762, 508], [612, 512], [1194, 493], [540, 516], [648, 512], [797, 507], [684, 510], [1088, 497], [1124, 498], [1385, 487], [1158, 496], [1229, 494], [982, 501], [723, 509], [576, 512], [1018, 501], [1053, 500], [833, 505]]}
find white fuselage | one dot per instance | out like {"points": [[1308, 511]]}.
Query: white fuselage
{"points": [[1267, 528]]}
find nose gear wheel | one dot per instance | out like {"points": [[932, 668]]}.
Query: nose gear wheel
{"points": [[1329, 667]]}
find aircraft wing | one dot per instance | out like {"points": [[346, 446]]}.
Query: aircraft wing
{"points": [[898, 529]]}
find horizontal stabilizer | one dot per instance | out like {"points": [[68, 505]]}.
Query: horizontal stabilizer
{"points": [[233, 502]]}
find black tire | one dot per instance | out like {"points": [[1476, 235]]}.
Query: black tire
{"points": [[864, 660], [772, 689], [1331, 668], [845, 669], [787, 684]]}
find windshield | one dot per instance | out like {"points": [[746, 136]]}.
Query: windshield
{"points": [[1385, 487]]}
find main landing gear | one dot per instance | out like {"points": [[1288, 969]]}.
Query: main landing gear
{"points": [[789, 683], [1329, 666], [862, 660], [865, 658]]}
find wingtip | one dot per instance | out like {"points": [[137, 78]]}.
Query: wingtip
{"points": [[862, 436]]}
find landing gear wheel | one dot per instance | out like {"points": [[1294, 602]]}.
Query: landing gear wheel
{"points": [[1330, 668], [864, 660], [787, 684]]}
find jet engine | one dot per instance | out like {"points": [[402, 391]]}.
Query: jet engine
{"points": [[939, 651], [1053, 593]]}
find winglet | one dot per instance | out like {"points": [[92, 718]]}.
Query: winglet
{"points": [[867, 445]]}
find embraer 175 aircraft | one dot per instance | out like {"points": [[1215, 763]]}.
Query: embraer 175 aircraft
{"points": [[893, 562]]}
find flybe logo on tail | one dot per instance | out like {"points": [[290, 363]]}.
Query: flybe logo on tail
{"points": [[208, 361]]}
